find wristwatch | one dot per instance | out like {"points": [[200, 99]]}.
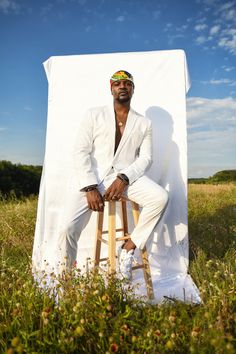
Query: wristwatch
{"points": [[123, 177], [89, 188]]}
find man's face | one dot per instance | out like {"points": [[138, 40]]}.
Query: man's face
{"points": [[122, 90]]}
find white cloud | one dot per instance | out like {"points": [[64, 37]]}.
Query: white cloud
{"points": [[226, 6], [229, 15], [222, 82], [228, 68], [229, 82], [222, 32], [211, 134], [168, 26], [120, 18], [9, 6], [214, 30], [200, 27], [203, 110], [201, 39], [201, 20], [229, 44]]}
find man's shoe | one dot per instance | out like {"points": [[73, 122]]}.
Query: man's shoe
{"points": [[125, 263]]}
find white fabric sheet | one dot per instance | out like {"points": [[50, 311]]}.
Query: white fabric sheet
{"points": [[79, 82]]}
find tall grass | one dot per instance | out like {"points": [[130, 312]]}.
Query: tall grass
{"points": [[99, 316]]}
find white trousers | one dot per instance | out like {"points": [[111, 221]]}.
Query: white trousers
{"points": [[151, 197]]}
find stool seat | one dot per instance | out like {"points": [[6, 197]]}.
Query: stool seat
{"points": [[113, 238]]}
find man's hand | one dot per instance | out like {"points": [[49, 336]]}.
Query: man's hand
{"points": [[114, 192], [95, 200]]}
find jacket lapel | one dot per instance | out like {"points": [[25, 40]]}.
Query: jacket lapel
{"points": [[111, 127], [131, 119]]}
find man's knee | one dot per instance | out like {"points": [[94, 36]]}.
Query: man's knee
{"points": [[70, 232], [159, 198]]}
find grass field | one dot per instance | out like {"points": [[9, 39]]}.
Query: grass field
{"points": [[95, 318]]}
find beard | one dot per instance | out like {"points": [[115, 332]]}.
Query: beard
{"points": [[123, 99]]}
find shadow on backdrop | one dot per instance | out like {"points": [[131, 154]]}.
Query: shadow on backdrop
{"points": [[167, 171]]}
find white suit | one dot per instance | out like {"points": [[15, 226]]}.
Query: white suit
{"points": [[94, 153], [96, 163]]}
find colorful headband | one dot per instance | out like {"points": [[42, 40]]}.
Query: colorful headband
{"points": [[121, 75]]}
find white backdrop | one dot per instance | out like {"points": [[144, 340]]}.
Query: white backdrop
{"points": [[79, 82]]}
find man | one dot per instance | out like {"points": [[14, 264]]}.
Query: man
{"points": [[113, 152]]}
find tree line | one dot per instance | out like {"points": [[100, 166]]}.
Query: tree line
{"points": [[225, 176], [17, 180]]}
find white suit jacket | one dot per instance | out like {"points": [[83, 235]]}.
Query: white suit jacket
{"points": [[95, 144]]}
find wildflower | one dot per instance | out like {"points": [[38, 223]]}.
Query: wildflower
{"points": [[82, 321], [173, 335], [105, 297], [15, 341], [45, 321], [114, 347], [79, 331], [157, 332], [172, 318], [109, 307], [195, 332], [10, 351], [125, 328], [46, 312], [100, 334], [209, 263], [19, 349], [229, 346], [134, 339], [169, 344]]}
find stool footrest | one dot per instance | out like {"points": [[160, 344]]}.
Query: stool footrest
{"points": [[102, 259], [104, 241], [122, 238], [138, 266], [107, 232]]}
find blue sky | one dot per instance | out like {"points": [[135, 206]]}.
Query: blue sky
{"points": [[31, 31]]}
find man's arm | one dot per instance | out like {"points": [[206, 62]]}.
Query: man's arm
{"points": [[81, 153], [129, 174], [87, 180]]}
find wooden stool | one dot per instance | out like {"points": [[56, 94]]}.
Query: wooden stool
{"points": [[112, 239]]}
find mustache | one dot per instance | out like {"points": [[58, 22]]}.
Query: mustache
{"points": [[123, 91]]}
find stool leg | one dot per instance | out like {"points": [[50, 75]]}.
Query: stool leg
{"points": [[144, 255], [98, 237], [124, 220], [112, 236], [147, 273], [135, 211]]}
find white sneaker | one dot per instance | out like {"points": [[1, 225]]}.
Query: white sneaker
{"points": [[125, 263]]}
